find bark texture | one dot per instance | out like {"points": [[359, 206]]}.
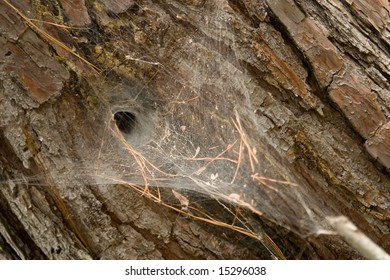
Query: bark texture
{"points": [[268, 115]]}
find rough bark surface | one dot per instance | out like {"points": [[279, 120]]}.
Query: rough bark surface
{"points": [[256, 96]]}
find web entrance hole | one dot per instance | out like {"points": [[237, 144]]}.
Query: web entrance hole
{"points": [[125, 121]]}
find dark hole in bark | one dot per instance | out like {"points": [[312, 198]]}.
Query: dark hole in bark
{"points": [[134, 7], [125, 121], [112, 15]]}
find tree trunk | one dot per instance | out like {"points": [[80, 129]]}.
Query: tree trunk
{"points": [[199, 129]]}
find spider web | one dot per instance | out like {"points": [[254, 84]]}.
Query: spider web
{"points": [[206, 138]]}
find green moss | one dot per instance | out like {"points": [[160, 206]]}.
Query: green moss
{"points": [[41, 10], [308, 152]]}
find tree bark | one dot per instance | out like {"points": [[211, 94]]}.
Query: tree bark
{"points": [[199, 129]]}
